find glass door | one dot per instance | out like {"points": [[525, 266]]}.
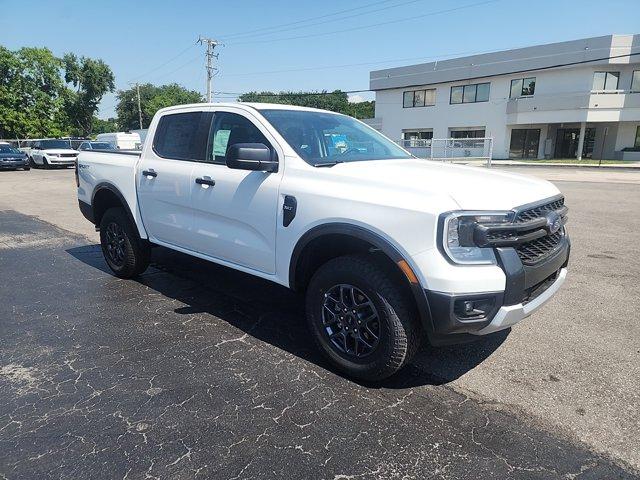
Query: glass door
{"points": [[524, 143]]}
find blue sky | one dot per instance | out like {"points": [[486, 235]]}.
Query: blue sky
{"points": [[326, 44]]}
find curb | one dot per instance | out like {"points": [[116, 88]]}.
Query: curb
{"points": [[569, 165]]}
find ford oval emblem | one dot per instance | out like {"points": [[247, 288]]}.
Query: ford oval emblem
{"points": [[554, 222]]}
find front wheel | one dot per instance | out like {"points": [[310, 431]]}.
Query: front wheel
{"points": [[362, 320], [124, 251]]}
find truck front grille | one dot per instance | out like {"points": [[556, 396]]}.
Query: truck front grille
{"points": [[536, 250], [539, 211]]}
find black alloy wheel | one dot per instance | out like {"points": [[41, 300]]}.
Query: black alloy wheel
{"points": [[351, 321], [115, 244]]}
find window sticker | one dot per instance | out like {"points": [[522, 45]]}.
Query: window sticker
{"points": [[220, 141]]}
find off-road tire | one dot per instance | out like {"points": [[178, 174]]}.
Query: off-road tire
{"points": [[135, 251], [399, 327]]}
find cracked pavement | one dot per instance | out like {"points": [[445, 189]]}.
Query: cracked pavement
{"points": [[197, 371]]}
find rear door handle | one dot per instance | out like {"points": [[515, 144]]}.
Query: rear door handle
{"points": [[149, 173], [205, 181]]}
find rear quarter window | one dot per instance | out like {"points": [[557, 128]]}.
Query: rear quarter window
{"points": [[182, 136]]}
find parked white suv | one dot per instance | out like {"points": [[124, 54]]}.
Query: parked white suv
{"points": [[52, 153], [387, 248]]}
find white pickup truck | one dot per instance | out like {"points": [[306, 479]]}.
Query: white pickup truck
{"points": [[388, 249]]}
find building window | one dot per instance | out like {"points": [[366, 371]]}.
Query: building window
{"points": [[467, 133], [636, 144], [523, 87], [606, 80], [419, 98], [524, 143], [635, 81], [478, 92], [417, 138]]}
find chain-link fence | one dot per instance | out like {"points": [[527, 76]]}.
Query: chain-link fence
{"points": [[451, 149]]}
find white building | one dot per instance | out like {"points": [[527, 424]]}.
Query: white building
{"points": [[546, 101]]}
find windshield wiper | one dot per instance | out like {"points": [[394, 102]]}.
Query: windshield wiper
{"points": [[328, 164]]}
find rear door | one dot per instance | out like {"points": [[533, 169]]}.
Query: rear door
{"points": [[164, 176], [235, 211]]}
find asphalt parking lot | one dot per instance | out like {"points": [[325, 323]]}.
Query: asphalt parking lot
{"points": [[199, 371]]}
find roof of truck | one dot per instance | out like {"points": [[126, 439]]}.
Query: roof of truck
{"points": [[245, 106]]}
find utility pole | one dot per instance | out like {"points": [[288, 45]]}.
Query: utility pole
{"points": [[211, 44], [139, 105]]}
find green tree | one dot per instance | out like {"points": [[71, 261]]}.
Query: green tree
{"points": [[31, 94], [104, 126], [336, 101], [152, 99], [91, 79]]}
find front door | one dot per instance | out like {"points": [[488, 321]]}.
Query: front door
{"points": [[164, 177], [567, 142], [235, 211]]}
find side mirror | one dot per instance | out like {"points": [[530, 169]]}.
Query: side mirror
{"points": [[251, 156]]}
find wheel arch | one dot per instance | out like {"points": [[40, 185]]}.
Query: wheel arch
{"points": [[305, 259], [106, 195]]}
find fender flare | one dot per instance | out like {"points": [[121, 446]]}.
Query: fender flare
{"points": [[113, 189], [378, 242]]}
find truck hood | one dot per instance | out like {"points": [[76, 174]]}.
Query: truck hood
{"points": [[472, 188]]}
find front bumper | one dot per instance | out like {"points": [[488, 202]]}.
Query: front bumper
{"points": [[509, 315], [14, 163], [527, 288], [67, 161]]}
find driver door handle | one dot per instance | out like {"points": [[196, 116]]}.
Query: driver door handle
{"points": [[149, 173], [205, 181]]}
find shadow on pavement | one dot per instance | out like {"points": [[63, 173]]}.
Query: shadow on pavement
{"points": [[274, 314]]}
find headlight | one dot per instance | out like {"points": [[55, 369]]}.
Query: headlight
{"points": [[52, 154], [457, 236]]}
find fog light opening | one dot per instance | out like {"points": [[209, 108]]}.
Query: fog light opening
{"points": [[473, 308]]}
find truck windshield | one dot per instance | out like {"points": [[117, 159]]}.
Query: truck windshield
{"points": [[8, 149], [327, 138], [101, 146], [46, 144]]}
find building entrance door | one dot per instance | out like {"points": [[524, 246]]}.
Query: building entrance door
{"points": [[567, 143]]}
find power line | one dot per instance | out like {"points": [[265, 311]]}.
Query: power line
{"points": [[524, 70], [326, 67], [182, 52], [435, 57], [330, 20], [548, 67], [179, 67], [362, 27], [308, 19]]}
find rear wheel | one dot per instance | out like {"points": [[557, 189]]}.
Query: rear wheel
{"points": [[362, 320], [124, 251]]}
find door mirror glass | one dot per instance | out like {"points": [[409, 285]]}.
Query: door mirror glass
{"points": [[251, 156]]}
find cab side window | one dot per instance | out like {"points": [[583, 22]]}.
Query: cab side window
{"points": [[228, 129], [182, 136]]}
